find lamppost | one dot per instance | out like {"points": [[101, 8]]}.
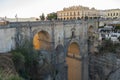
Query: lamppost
{"points": [[16, 18]]}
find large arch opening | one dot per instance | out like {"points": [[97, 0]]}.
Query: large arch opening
{"points": [[60, 56], [41, 41], [74, 62]]}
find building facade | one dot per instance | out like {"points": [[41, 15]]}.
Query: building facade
{"points": [[77, 12], [112, 13], [81, 12]]}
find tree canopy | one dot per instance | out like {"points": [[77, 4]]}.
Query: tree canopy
{"points": [[52, 16], [42, 17]]}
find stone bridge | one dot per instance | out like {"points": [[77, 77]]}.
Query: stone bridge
{"points": [[68, 38]]}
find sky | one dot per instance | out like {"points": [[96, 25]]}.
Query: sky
{"points": [[34, 8]]}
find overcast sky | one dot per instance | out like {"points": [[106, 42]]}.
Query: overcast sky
{"points": [[34, 8]]}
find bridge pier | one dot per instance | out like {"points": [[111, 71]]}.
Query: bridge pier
{"points": [[85, 75]]}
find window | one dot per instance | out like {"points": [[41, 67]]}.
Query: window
{"points": [[74, 14], [67, 14], [78, 13], [116, 14], [64, 14], [70, 13]]}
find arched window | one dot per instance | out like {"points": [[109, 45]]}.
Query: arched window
{"points": [[116, 14], [111, 14]]}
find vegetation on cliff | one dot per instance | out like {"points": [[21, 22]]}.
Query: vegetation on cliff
{"points": [[105, 64], [109, 46], [32, 64]]}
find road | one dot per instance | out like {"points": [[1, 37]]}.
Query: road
{"points": [[74, 69]]}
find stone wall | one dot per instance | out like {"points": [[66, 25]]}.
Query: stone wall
{"points": [[7, 42]]}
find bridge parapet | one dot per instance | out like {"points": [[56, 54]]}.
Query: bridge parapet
{"points": [[42, 23], [47, 23]]}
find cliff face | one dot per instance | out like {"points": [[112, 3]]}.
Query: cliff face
{"points": [[105, 64], [6, 65]]}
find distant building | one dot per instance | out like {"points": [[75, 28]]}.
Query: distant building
{"points": [[113, 13], [102, 13], [81, 12], [3, 22], [108, 32], [20, 19], [77, 12], [110, 14]]}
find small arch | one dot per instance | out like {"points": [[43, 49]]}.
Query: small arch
{"points": [[90, 32], [90, 29], [67, 18], [74, 49], [78, 18], [41, 40], [111, 14], [116, 14]]}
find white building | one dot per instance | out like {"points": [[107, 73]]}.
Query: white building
{"points": [[108, 33]]}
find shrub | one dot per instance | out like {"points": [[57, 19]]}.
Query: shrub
{"points": [[15, 77], [25, 60], [7, 76], [19, 62], [108, 46]]}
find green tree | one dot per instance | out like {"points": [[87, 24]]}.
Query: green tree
{"points": [[42, 17], [52, 16]]}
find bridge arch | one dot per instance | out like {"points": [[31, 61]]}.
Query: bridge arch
{"points": [[42, 40], [73, 61]]}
